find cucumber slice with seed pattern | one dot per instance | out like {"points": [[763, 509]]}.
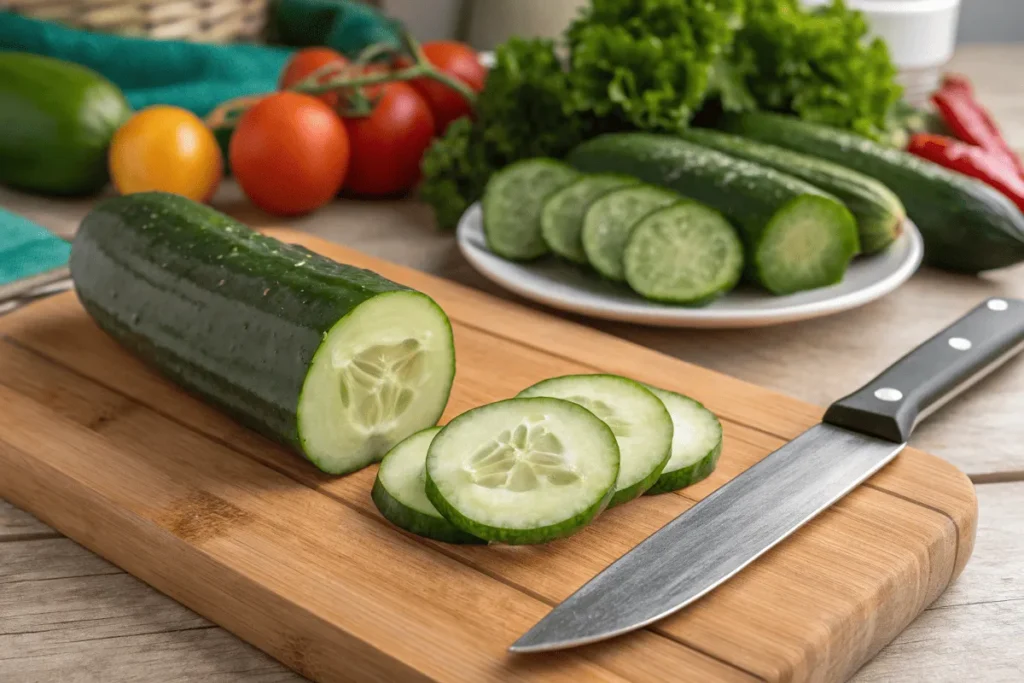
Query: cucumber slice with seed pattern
{"points": [[610, 220], [399, 492], [512, 205], [684, 254], [696, 442], [522, 470], [639, 420], [561, 220]]}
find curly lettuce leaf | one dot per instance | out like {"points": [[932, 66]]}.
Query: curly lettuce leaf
{"points": [[649, 64]]}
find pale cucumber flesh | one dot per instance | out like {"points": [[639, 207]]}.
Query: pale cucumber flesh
{"points": [[639, 420], [696, 442], [383, 372], [399, 491], [512, 204], [561, 220], [522, 470], [684, 254], [610, 220]]}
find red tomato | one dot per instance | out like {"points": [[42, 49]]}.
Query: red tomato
{"points": [[453, 59], [388, 144], [305, 62], [290, 153]]}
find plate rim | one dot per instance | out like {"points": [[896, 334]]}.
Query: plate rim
{"points": [[699, 317]]}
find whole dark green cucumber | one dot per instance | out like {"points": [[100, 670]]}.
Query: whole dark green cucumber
{"points": [[878, 210], [333, 360], [797, 236], [967, 225], [56, 122]]}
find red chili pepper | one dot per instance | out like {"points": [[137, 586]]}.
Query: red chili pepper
{"points": [[971, 161], [970, 121]]}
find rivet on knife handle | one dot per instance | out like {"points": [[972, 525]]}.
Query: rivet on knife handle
{"points": [[889, 406]]}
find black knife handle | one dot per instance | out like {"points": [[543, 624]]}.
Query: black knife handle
{"points": [[890, 405]]}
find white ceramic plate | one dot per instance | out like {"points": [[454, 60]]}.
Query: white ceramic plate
{"points": [[564, 286]]}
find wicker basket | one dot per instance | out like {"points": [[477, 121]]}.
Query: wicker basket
{"points": [[207, 21]]}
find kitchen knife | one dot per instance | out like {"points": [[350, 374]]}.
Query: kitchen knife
{"points": [[739, 522]]}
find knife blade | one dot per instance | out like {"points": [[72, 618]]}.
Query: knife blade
{"points": [[725, 532]]}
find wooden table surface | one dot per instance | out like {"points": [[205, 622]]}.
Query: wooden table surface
{"points": [[67, 615]]}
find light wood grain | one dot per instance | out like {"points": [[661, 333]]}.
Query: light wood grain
{"points": [[16, 525], [248, 522]]}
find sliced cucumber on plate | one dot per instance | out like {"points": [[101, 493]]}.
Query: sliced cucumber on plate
{"points": [[639, 420], [523, 470], [696, 442], [512, 204], [609, 221], [683, 254], [561, 220], [399, 492]]}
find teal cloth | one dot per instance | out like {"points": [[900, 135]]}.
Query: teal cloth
{"points": [[199, 76], [27, 249]]}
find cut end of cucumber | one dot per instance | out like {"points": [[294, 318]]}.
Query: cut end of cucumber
{"points": [[609, 222], [383, 372], [807, 244], [638, 419], [522, 470], [696, 442], [400, 492], [685, 254], [512, 206]]}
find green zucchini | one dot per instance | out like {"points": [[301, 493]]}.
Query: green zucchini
{"points": [[561, 220], [640, 422], [523, 470], [512, 205], [797, 236], [399, 492], [878, 210], [684, 254], [967, 225], [335, 361], [56, 122]]}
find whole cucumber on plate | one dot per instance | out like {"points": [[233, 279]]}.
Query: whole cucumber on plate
{"points": [[967, 225], [797, 236], [335, 361], [56, 122], [878, 210], [513, 201]]}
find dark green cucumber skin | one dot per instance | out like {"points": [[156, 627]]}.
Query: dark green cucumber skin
{"points": [[747, 194], [416, 522], [967, 226], [878, 210], [687, 476], [221, 310]]}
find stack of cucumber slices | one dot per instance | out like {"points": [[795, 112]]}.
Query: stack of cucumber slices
{"points": [[543, 465]]}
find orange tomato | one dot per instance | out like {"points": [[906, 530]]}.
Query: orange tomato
{"points": [[289, 153], [166, 149], [304, 63]]}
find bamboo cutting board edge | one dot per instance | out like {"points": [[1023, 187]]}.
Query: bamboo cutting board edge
{"points": [[936, 500]]}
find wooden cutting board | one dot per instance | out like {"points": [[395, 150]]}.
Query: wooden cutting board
{"points": [[301, 564]]}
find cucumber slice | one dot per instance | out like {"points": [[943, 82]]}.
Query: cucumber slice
{"points": [[382, 372], [561, 219], [684, 254], [696, 442], [399, 492], [512, 204], [640, 422], [522, 470], [801, 247], [609, 221]]}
